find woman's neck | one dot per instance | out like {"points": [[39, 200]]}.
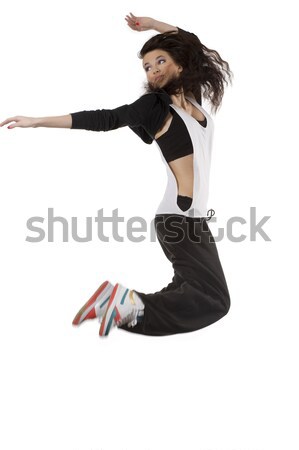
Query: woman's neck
{"points": [[180, 100]]}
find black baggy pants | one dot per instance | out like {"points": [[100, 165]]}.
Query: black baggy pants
{"points": [[198, 294]]}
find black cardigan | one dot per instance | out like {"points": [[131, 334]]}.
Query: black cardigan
{"points": [[145, 116]]}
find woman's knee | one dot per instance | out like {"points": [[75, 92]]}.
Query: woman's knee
{"points": [[225, 303]]}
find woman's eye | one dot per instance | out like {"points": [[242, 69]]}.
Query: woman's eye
{"points": [[159, 61]]}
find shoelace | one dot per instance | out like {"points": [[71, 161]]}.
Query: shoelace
{"points": [[130, 319]]}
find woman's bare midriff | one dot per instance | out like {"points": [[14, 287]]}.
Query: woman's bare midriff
{"points": [[182, 169]]}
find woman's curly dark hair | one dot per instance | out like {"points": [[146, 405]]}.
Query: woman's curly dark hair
{"points": [[204, 71]]}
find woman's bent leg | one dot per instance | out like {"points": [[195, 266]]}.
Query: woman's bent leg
{"points": [[198, 295]]}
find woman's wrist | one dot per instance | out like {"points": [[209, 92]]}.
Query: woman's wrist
{"points": [[154, 24], [162, 27], [53, 121]]}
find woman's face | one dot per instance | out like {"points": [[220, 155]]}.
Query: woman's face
{"points": [[160, 67]]}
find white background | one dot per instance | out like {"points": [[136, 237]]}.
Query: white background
{"points": [[230, 386]]}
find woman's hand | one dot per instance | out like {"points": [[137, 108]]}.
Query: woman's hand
{"points": [[21, 121], [147, 23], [140, 23]]}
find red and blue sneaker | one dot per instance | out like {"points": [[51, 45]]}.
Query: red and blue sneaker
{"points": [[123, 308], [96, 305]]}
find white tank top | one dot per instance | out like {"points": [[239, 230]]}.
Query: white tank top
{"points": [[202, 141]]}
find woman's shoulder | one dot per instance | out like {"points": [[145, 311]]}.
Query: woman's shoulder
{"points": [[152, 104], [156, 96], [151, 109]]}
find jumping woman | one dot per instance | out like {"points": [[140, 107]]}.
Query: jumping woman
{"points": [[179, 71]]}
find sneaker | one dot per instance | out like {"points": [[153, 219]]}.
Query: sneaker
{"points": [[123, 308], [96, 305]]}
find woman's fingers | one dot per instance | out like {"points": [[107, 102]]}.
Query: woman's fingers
{"points": [[140, 23], [133, 18], [20, 121], [10, 119], [131, 24], [132, 21]]}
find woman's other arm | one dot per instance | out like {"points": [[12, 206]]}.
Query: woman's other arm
{"points": [[34, 122], [148, 23]]}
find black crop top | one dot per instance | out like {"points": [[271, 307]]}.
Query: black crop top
{"points": [[176, 142]]}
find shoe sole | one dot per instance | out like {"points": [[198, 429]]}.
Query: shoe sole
{"points": [[111, 313], [88, 308]]}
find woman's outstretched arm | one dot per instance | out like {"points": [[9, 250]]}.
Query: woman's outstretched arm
{"points": [[34, 122], [148, 112], [148, 23]]}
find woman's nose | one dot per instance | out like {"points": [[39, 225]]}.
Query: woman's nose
{"points": [[156, 69]]}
